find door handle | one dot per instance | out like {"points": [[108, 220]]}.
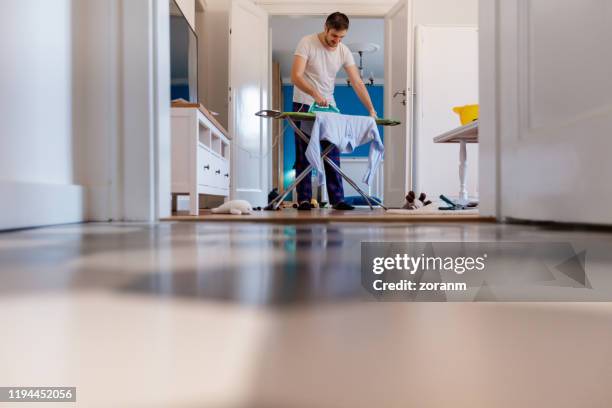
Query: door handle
{"points": [[399, 93]]}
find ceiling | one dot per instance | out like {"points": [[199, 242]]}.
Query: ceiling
{"points": [[287, 32]]}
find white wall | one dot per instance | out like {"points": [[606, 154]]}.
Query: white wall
{"points": [[351, 7], [81, 124], [115, 115], [446, 12], [145, 132], [214, 81], [188, 9], [122, 130], [36, 136], [161, 111], [36, 104], [96, 108]]}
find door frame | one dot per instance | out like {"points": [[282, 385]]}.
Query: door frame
{"points": [[265, 126], [140, 152], [410, 94], [354, 8], [361, 10], [157, 113], [419, 31], [489, 146]]}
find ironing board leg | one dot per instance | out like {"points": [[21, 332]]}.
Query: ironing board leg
{"points": [[366, 197], [278, 201], [335, 167]]}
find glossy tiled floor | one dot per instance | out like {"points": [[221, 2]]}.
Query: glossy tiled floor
{"points": [[255, 315]]}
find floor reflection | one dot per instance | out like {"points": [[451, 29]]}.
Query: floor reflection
{"points": [[252, 315], [290, 265], [251, 264]]}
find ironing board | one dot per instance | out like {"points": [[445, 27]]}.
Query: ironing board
{"points": [[291, 118]]}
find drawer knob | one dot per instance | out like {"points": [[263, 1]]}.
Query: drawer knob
{"points": [[207, 167], [218, 172], [226, 175]]}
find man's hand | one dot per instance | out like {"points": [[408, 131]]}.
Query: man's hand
{"points": [[320, 100]]}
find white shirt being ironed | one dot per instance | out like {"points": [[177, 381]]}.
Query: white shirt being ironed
{"points": [[347, 132]]}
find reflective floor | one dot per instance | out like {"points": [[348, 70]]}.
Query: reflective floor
{"points": [[256, 315]]}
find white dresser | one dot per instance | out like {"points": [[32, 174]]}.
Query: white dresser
{"points": [[200, 157]]}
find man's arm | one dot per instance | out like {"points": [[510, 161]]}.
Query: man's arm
{"points": [[297, 77], [360, 89]]}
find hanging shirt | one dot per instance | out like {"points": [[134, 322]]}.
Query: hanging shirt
{"points": [[347, 132]]}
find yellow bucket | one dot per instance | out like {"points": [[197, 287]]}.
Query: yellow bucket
{"points": [[467, 113]]}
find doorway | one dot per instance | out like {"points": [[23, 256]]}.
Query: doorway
{"points": [[398, 48], [365, 39], [441, 39]]}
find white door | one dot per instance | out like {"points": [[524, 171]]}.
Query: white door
{"points": [[249, 93], [446, 76], [555, 96], [398, 102]]}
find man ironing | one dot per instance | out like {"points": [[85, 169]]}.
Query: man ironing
{"points": [[317, 60]]}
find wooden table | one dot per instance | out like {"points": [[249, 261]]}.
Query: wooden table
{"points": [[462, 135]]}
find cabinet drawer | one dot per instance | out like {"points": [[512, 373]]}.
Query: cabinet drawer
{"points": [[217, 172], [205, 167], [225, 174]]}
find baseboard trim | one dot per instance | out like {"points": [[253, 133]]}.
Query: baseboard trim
{"points": [[27, 205]]}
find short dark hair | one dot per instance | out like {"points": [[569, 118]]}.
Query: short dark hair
{"points": [[337, 21]]}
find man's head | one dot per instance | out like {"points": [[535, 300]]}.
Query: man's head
{"points": [[336, 27]]}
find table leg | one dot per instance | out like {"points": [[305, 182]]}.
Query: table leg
{"points": [[194, 202], [174, 202], [463, 194]]}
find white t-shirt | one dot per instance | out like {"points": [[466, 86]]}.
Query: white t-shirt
{"points": [[322, 65]]}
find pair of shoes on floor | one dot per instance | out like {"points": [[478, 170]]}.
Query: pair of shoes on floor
{"points": [[305, 206], [341, 206], [413, 204]]}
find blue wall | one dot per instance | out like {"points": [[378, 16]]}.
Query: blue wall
{"points": [[348, 103]]}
